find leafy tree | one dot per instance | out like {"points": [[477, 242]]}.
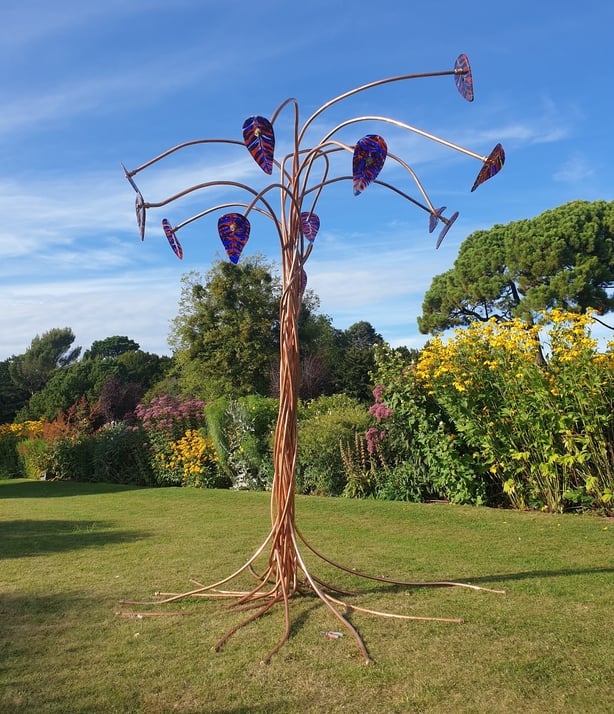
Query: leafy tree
{"points": [[12, 397], [144, 368], [226, 334], [68, 386], [321, 346], [111, 387], [46, 354], [562, 258], [358, 360], [227, 344], [111, 347]]}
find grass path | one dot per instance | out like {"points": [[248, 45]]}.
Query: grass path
{"points": [[70, 552]]}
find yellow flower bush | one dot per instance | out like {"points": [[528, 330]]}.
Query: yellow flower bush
{"points": [[188, 461], [534, 402], [13, 438]]}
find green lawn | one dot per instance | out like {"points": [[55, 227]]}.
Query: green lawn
{"points": [[70, 552]]}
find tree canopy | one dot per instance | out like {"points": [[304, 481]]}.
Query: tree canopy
{"points": [[226, 333], [111, 347], [226, 338], [562, 258], [48, 352]]}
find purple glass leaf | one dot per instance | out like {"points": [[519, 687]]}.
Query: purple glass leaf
{"points": [[259, 138], [492, 166], [434, 218], [172, 239], [463, 77], [303, 281], [369, 155], [446, 228], [310, 224], [234, 234]]}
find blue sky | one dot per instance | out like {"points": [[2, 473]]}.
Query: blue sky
{"points": [[87, 85]]}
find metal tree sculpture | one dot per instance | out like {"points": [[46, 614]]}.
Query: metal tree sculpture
{"points": [[286, 573]]}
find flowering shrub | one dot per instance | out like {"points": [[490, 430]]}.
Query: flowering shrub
{"points": [[169, 415], [425, 458], [364, 464], [11, 437], [178, 454], [544, 431], [188, 461]]}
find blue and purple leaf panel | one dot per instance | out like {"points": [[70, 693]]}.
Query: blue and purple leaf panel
{"points": [[172, 239], [463, 77], [234, 234], [492, 166], [369, 156], [310, 224], [259, 138]]}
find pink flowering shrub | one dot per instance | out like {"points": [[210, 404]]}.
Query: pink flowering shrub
{"points": [[167, 414], [380, 410], [166, 420]]}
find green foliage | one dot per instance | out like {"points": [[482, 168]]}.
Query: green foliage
{"points": [[365, 466], [325, 426], [242, 432], [12, 397], [120, 455], [46, 354], [10, 465], [562, 258], [226, 334], [67, 386], [111, 348], [35, 457], [217, 417], [72, 459], [544, 432], [426, 457]]}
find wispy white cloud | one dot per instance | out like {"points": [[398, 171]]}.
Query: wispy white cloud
{"points": [[140, 305], [574, 170]]}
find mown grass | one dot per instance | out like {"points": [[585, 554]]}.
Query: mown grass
{"points": [[70, 552]]}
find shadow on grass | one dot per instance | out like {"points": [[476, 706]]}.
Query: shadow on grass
{"points": [[45, 489], [23, 538]]}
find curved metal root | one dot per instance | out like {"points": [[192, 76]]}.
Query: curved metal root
{"points": [[287, 575]]}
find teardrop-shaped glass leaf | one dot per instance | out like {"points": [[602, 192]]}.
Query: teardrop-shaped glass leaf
{"points": [[139, 205], [234, 234], [310, 224], [172, 239], [369, 155], [446, 228], [259, 138], [434, 218], [463, 77], [492, 166]]}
